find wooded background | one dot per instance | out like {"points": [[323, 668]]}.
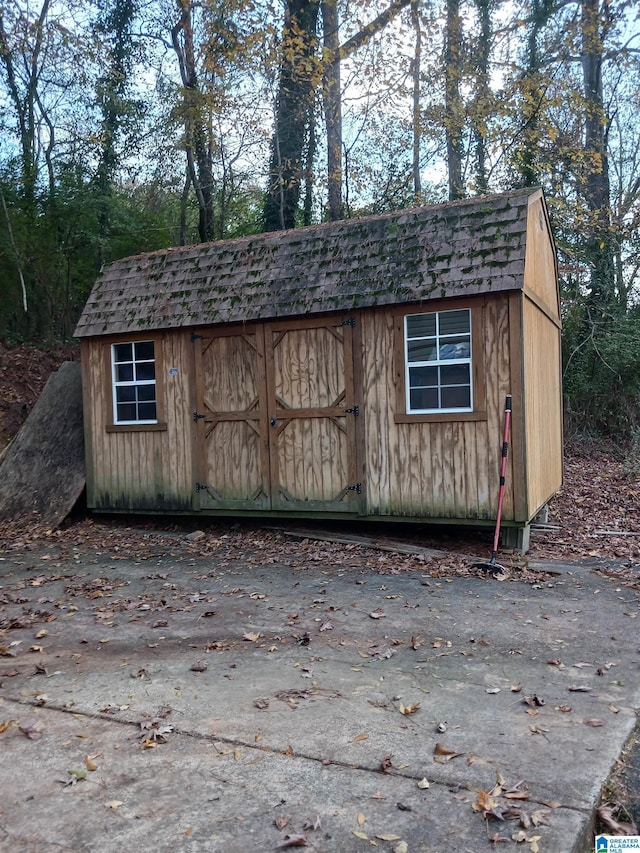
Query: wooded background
{"points": [[128, 126]]}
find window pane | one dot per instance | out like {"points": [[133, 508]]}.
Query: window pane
{"points": [[455, 374], [454, 348], [422, 350], [144, 350], [127, 412], [421, 325], [145, 371], [456, 398], [124, 372], [423, 376], [122, 352], [454, 322], [147, 411], [126, 394], [146, 393], [423, 398]]}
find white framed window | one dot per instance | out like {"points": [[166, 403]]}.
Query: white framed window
{"points": [[438, 362], [133, 367]]}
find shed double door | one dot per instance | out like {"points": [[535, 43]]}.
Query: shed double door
{"points": [[276, 417]]}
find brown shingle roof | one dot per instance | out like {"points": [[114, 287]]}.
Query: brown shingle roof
{"points": [[453, 249]]}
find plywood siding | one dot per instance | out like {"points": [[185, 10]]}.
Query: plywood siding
{"points": [[540, 275], [543, 414], [447, 469], [140, 469]]}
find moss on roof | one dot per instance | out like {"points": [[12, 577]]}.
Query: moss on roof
{"points": [[453, 249]]}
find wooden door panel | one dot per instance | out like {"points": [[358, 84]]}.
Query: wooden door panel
{"points": [[234, 463], [312, 433], [309, 368]]}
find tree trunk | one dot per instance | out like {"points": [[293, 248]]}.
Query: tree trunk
{"points": [[299, 75], [596, 188], [454, 112], [196, 129], [416, 117], [482, 104], [332, 98], [294, 111]]}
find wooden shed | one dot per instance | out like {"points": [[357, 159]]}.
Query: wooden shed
{"points": [[350, 369]]}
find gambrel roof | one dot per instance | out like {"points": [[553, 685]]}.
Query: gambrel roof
{"points": [[453, 249]]}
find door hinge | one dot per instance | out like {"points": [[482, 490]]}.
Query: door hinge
{"points": [[201, 488], [354, 410], [357, 488], [350, 322], [197, 417]]}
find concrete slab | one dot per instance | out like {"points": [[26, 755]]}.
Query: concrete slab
{"points": [[298, 712]]}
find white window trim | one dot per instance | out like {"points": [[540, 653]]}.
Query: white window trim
{"points": [[437, 363], [133, 383]]}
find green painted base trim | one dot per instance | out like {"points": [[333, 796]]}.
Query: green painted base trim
{"points": [[326, 516]]}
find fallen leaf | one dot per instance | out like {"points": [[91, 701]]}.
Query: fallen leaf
{"points": [[359, 738], [33, 730], [377, 614], [539, 817], [387, 836], [252, 636], [484, 802], [89, 763], [594, 723], [41, 633], [492, 690], [606, 815], [281, 821], [423, 784], [579, 688], [385, 764], [4, 726], [416, 642], [199, 666], [361, 819], [292, 841], [443, 754], [361, 835], [314, 824], [400, 847], [534, 701], [516, 688], [613, 709], [76, 776], [409, 709]]}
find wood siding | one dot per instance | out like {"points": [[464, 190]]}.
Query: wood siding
{"points": [[439, 469], [540, 272], [140, 469], [276, 433], [543, 413]]}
